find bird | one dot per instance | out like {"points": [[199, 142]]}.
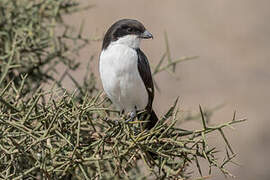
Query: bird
{"points": [[125, 71]]}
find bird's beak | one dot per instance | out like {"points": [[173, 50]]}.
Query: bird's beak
{"points": [[146, 35]]}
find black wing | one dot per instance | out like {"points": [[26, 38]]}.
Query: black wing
{"points": [[145, 72]]}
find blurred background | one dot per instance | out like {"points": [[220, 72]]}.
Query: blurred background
{"points": [[232, 41]]}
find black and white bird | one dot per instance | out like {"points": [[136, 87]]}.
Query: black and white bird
{"points": [[124, 69]]}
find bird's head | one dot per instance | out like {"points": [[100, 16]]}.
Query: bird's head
{"points": [[127, 32]]}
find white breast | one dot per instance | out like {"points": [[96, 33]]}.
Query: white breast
{"points": [[121, 79]]}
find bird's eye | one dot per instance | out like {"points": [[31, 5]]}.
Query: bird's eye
{"points": [[129, 29]]}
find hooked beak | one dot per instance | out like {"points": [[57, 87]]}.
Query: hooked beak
{"points": [[146, 35]]}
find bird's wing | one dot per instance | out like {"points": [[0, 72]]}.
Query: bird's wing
{"points": [[145, 72]]}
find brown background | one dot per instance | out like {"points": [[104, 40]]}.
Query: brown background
{"points": [[232, 39]]}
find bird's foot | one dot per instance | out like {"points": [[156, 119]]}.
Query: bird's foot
{"points": [[132, 116]]}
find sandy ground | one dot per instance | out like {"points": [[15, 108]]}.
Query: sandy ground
{"points": [[232, 40]]}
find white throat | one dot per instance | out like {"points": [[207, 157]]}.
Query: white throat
{"points": [[132, 41]]}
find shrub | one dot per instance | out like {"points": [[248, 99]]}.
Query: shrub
{"points": [[52, 133]]}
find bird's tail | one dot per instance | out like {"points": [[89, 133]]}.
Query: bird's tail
{"points": [[152, 119]]}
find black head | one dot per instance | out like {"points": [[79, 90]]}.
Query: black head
{"points": [[125, 27]]}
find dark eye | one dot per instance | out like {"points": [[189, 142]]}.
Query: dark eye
{"points": [[129, 29]]}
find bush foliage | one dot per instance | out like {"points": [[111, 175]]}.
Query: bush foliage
{"points": [[53, 133]]}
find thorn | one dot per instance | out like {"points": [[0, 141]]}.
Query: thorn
{"points": [[203, 119]]}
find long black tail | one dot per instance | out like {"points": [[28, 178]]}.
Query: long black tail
{"points": [[152, 119], [151, 122]]}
